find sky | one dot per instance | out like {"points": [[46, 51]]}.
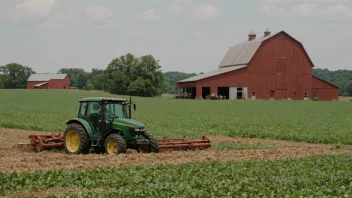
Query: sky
{"points": [[184, 35]]}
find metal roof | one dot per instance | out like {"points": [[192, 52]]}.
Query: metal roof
{"points": [[46, 77], [243, 52], [40, 84], [90, 99], [213, 73]]}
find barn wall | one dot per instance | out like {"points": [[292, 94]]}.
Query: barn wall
{"points": [[237, 78], [59, 83], [323, 90], [280, 64]]}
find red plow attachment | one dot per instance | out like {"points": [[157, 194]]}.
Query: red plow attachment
{"points": [[183, 143], [42, 142]]}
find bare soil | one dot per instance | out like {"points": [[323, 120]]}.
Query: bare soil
{"points": [[13, 158]]}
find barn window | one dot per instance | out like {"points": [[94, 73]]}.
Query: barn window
{"points": [[253, 93], [305, 94]]}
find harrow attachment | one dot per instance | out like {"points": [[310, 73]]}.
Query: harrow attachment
{"points": [[42, 142], [183, 143], [50, 141]]}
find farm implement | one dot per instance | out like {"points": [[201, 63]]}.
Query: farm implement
{"points": [[41, 142], [106, 126]]}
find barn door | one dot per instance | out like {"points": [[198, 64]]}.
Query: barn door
{"points": [[280, 94], [315, 94], [233, 93], [281, 73], [245, 93]]}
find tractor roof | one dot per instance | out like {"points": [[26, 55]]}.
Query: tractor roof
{"points": [[91, 99]]}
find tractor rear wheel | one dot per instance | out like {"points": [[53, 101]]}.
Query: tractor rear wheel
{"points": [[153, 143], [115, 144], [76, 139]]}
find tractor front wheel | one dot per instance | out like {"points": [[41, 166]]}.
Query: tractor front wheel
{"points": [[76, 140], [115, 144], [153, 143]]}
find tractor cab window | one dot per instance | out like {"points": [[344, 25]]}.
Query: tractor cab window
{"points": [[93, 112], [82, 111], [114, 110]]}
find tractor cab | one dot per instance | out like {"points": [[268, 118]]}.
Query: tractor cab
{"points": [[101, 112]]}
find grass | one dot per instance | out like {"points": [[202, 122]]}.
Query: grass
{"points": [[310, 121], [319, 176]]}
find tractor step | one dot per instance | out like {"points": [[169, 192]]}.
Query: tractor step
{"points": [[183, 143]]}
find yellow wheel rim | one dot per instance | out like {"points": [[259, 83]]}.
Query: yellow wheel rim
{"points": [[72, 141], [112, 147]]}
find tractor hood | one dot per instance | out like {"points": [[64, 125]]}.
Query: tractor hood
{"points": [[128, 122]]}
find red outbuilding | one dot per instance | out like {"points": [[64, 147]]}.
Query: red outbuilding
{"points": [[274, 66], [48, 81]]}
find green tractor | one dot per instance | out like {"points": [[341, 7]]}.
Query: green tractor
{"points": [[106, 125]]}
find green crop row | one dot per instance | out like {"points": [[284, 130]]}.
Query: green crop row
{"points": [[310, 121], [314, 176]]}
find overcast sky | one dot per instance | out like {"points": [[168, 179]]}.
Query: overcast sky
{"points": [[185, 35]]}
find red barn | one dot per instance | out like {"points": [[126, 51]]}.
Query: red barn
{"points": [[48, 81], [274, 66]]}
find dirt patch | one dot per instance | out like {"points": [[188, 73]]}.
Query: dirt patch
{"points": [[15, 159]]}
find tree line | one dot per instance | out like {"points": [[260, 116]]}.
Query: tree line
{"points": [[138, 76]]}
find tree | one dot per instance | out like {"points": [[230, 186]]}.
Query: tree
{"points": [[96, 78], [171, 78], [14, 76], [129, 75], [348, 88]]}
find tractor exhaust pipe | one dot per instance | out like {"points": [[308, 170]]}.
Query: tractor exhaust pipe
{"points": [[129, 107]]}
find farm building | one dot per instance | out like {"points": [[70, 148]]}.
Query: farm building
{"points": [[48, 81], [274, 66]]}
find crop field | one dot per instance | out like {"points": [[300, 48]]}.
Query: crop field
{"points": [[259, 149], [316, 122]]}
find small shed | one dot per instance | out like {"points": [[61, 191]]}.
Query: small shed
{"points": [[48, 81]]}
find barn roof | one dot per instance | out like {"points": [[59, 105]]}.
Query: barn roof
{"points": [[243, 52], [46, 77], [213, 73]]}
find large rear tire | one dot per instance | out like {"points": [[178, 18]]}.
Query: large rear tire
{"points": [[115, 144], [153, 143], [76, 139]]}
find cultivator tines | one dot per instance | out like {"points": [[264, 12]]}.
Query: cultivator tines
{"points": [[183, 143], [41, 142]]}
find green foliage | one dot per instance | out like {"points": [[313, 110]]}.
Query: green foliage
{"points": [[320, 176], [310, 121], [348, 88], [129, 75], [14, 76], [340, 78], [239, 146], [171, 78], [89, 87]]}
